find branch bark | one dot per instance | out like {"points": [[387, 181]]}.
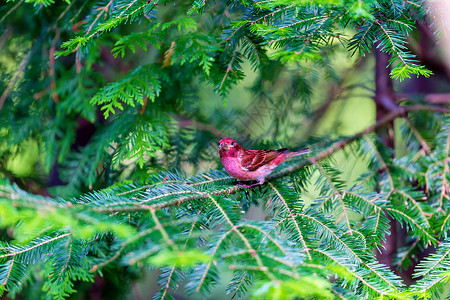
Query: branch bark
{"points": [[385, 104], [15, 78], [430, 98]]}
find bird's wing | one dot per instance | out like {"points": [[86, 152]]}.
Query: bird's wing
{"points": [[251, 160]]}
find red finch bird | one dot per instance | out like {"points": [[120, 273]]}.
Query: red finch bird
{"points": [[246, 165]]}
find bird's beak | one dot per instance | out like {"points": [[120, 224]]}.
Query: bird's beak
{"points": [[223, 146]]}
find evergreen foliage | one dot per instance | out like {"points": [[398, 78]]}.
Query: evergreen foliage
{"points": [[128, 202]]}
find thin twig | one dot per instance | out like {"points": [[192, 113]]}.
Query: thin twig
{"points": [[340, 196], [122, 247], [402, 110], [51, 64], [166, 288], [15, 78], [445, 184], [9, 272], [69, 240], [418, 136], [102, 10], [407, 254], [382, 162], [10, 11], [161, 229], [183, 122], [230, 66], [14, 253], [291, 215]]}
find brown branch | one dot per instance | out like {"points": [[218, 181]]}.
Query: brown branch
{"points": [[300, 234], [431, 98], [9, 272], [163, 232], [14, 253], [123, 207], [64, 13], [7, 33], [335, 92], [230, 67], [343, 143], [144, 105], [10, 11], [51, 55], [102, 10], [418, 136], [399, 112], [15, 78], [182, 122], [438, 98]]}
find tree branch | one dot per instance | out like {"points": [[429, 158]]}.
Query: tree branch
{"points": [[400, 111], [389, 117], [430, 98], [16, 77], [184, 122]]}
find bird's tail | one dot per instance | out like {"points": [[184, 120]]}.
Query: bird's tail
{"points": [[299, 152]]}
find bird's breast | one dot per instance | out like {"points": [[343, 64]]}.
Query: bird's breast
{"points": [[233, 167]]}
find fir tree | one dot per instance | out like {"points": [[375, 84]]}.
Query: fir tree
{"points": [[104, 96]]}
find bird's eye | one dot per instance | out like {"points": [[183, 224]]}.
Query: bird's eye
{"points": [[232, 143]]}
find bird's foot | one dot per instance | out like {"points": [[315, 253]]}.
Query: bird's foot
{"points": [[247, 186]]}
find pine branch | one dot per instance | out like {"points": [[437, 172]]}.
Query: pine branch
{"points": [[66, 264], [234, 228], [122, 248], [408, 254], [292, 218], [433, 270], [229, 67], [339, 242], [273, 13], [382, 162], [192, 194], [238, 284], [401, 110], [424, 216], [167, 286], [399, 215], [266, 235], [445, 187], [416, 133], [10, 11], [21, 250], [360, 278], [213, 254], [16, 76], [11, 263], [339, 196], [102, 10], [163, 232]]}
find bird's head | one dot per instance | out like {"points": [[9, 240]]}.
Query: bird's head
{"points": [[228, 147]]}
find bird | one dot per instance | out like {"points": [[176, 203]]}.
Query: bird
{"points": [[249, 165]]}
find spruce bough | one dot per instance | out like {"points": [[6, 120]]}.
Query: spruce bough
{"points": [[108, 94]]}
